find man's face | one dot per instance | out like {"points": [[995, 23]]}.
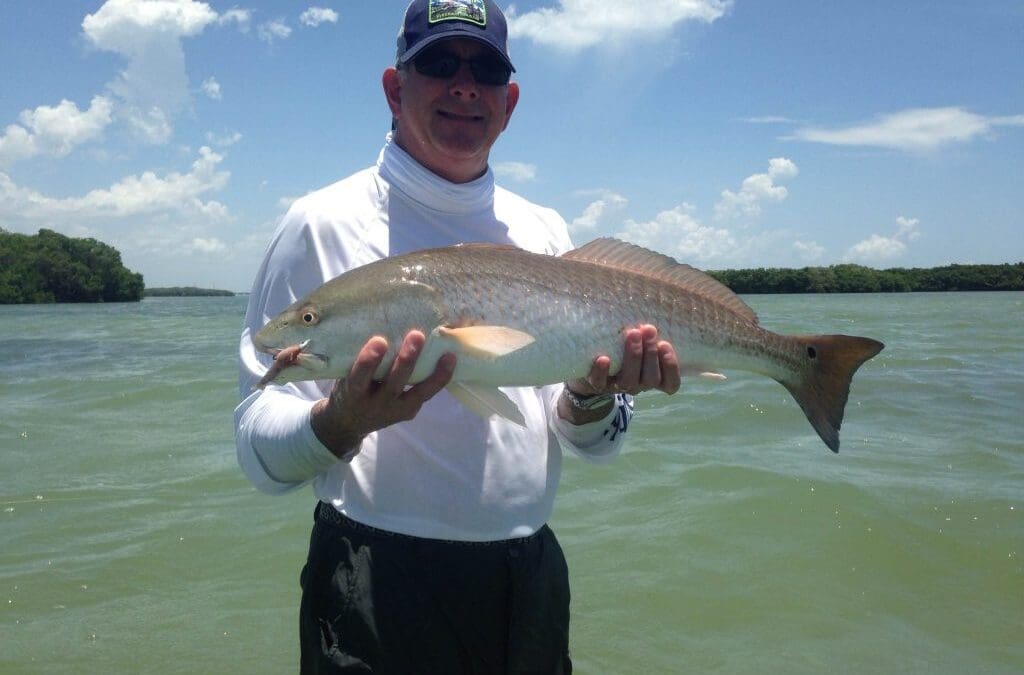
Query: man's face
{"points": [[449, 124]]}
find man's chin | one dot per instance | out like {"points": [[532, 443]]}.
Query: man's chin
{"points": [[463, 147]]}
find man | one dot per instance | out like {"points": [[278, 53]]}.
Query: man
{"points": [[429, 551]]}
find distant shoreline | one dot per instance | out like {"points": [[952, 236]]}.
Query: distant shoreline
{"points": [[49, 267], [859, 279], [185, 292]]}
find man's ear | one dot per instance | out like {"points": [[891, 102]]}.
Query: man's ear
{"points": [[392, 83], [511, 99]]}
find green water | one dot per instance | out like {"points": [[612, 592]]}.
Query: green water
{"points": [[726, 539]]}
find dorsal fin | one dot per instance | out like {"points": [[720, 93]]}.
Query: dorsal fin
{"points": [[622, 255]]}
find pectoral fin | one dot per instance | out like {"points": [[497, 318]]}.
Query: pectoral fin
{"points": [[487, 402], [486, 342]]}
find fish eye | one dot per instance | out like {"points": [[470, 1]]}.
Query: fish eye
{"points": [[310, 317]]}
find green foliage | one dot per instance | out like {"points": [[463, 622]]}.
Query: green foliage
{"points": [[859, 279], [50, 267], [186, 292]]}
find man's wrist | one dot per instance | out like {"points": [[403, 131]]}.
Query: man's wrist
{"points": [[580, 409], [343, 444], [587, 401]]}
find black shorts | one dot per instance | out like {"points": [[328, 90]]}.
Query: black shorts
{"points": [[391, 604]]}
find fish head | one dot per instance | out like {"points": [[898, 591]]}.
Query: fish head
{"points": [[292, 326], [322, 346], [334, 321]]}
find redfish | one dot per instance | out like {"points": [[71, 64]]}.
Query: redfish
{"points": [[516, 318]]}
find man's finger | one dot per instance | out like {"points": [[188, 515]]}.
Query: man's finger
{"points": [[435, 382], [650, 371], [404, 363], [367, 361], [670, 373], [598, 375], [632, 360]]}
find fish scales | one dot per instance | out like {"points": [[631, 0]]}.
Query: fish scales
{"points": [[574, 310]]}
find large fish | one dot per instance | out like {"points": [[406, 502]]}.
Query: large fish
{"points": [[516, 318]]}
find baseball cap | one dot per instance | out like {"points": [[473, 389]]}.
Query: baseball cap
{"points": [[428, 21]]}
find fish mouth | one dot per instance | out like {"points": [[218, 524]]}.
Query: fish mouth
{"points": [[299, 354], [290, 357]]}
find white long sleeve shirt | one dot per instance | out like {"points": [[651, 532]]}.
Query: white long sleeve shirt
{"points": [[448, 473]]}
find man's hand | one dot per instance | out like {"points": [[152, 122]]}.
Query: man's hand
{"points": [[359, 405], [647, 363]]}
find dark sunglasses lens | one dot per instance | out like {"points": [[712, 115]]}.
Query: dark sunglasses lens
{"points": [[437, 64], [440, 64], [490, 70]]}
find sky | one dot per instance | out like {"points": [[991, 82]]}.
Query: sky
{"points": [[725, 133]]}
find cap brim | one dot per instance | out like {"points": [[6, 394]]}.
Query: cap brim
{"points": [[451, 35]]}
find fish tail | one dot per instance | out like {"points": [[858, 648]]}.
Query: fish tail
{"points": [[823, 385]]}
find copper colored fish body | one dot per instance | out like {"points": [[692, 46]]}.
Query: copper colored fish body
{"points": [[516, 318]]}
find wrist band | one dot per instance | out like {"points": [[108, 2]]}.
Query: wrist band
{"points": [[588, 401]]}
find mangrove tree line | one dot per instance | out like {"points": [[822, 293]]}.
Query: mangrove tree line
{"points": [[50, 267], [860, 279]]}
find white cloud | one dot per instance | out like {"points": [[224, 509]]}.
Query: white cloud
{"points": [[273, 30], [918, 129], [907, 228], [141, 195], [314, 16], [152, 125], [208, 245], [519, 172], [54, 130], [211, 87], [15, 144], [808, 251], [240, 17], [175, 191], [224, 141], [576, 24], [756, 189], [679, 234], [153, 87], [595, 211], [128, 26], [876, 248], [880, 249], [768, 119], [64, 126]]}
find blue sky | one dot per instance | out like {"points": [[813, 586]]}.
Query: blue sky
{"points": [[726, 133]]}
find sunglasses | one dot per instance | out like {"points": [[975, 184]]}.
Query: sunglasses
{"points": [[441, 64]]}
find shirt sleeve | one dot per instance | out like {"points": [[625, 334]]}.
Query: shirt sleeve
{"points": [[276, 447], [599, 441]]}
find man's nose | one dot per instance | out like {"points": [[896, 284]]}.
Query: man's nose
{"points": [[463, 83]]}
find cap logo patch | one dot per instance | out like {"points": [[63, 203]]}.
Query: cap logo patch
{"points": [[472, 11]]}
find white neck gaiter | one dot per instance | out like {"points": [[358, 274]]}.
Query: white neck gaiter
{"points": [[422, 185]]}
